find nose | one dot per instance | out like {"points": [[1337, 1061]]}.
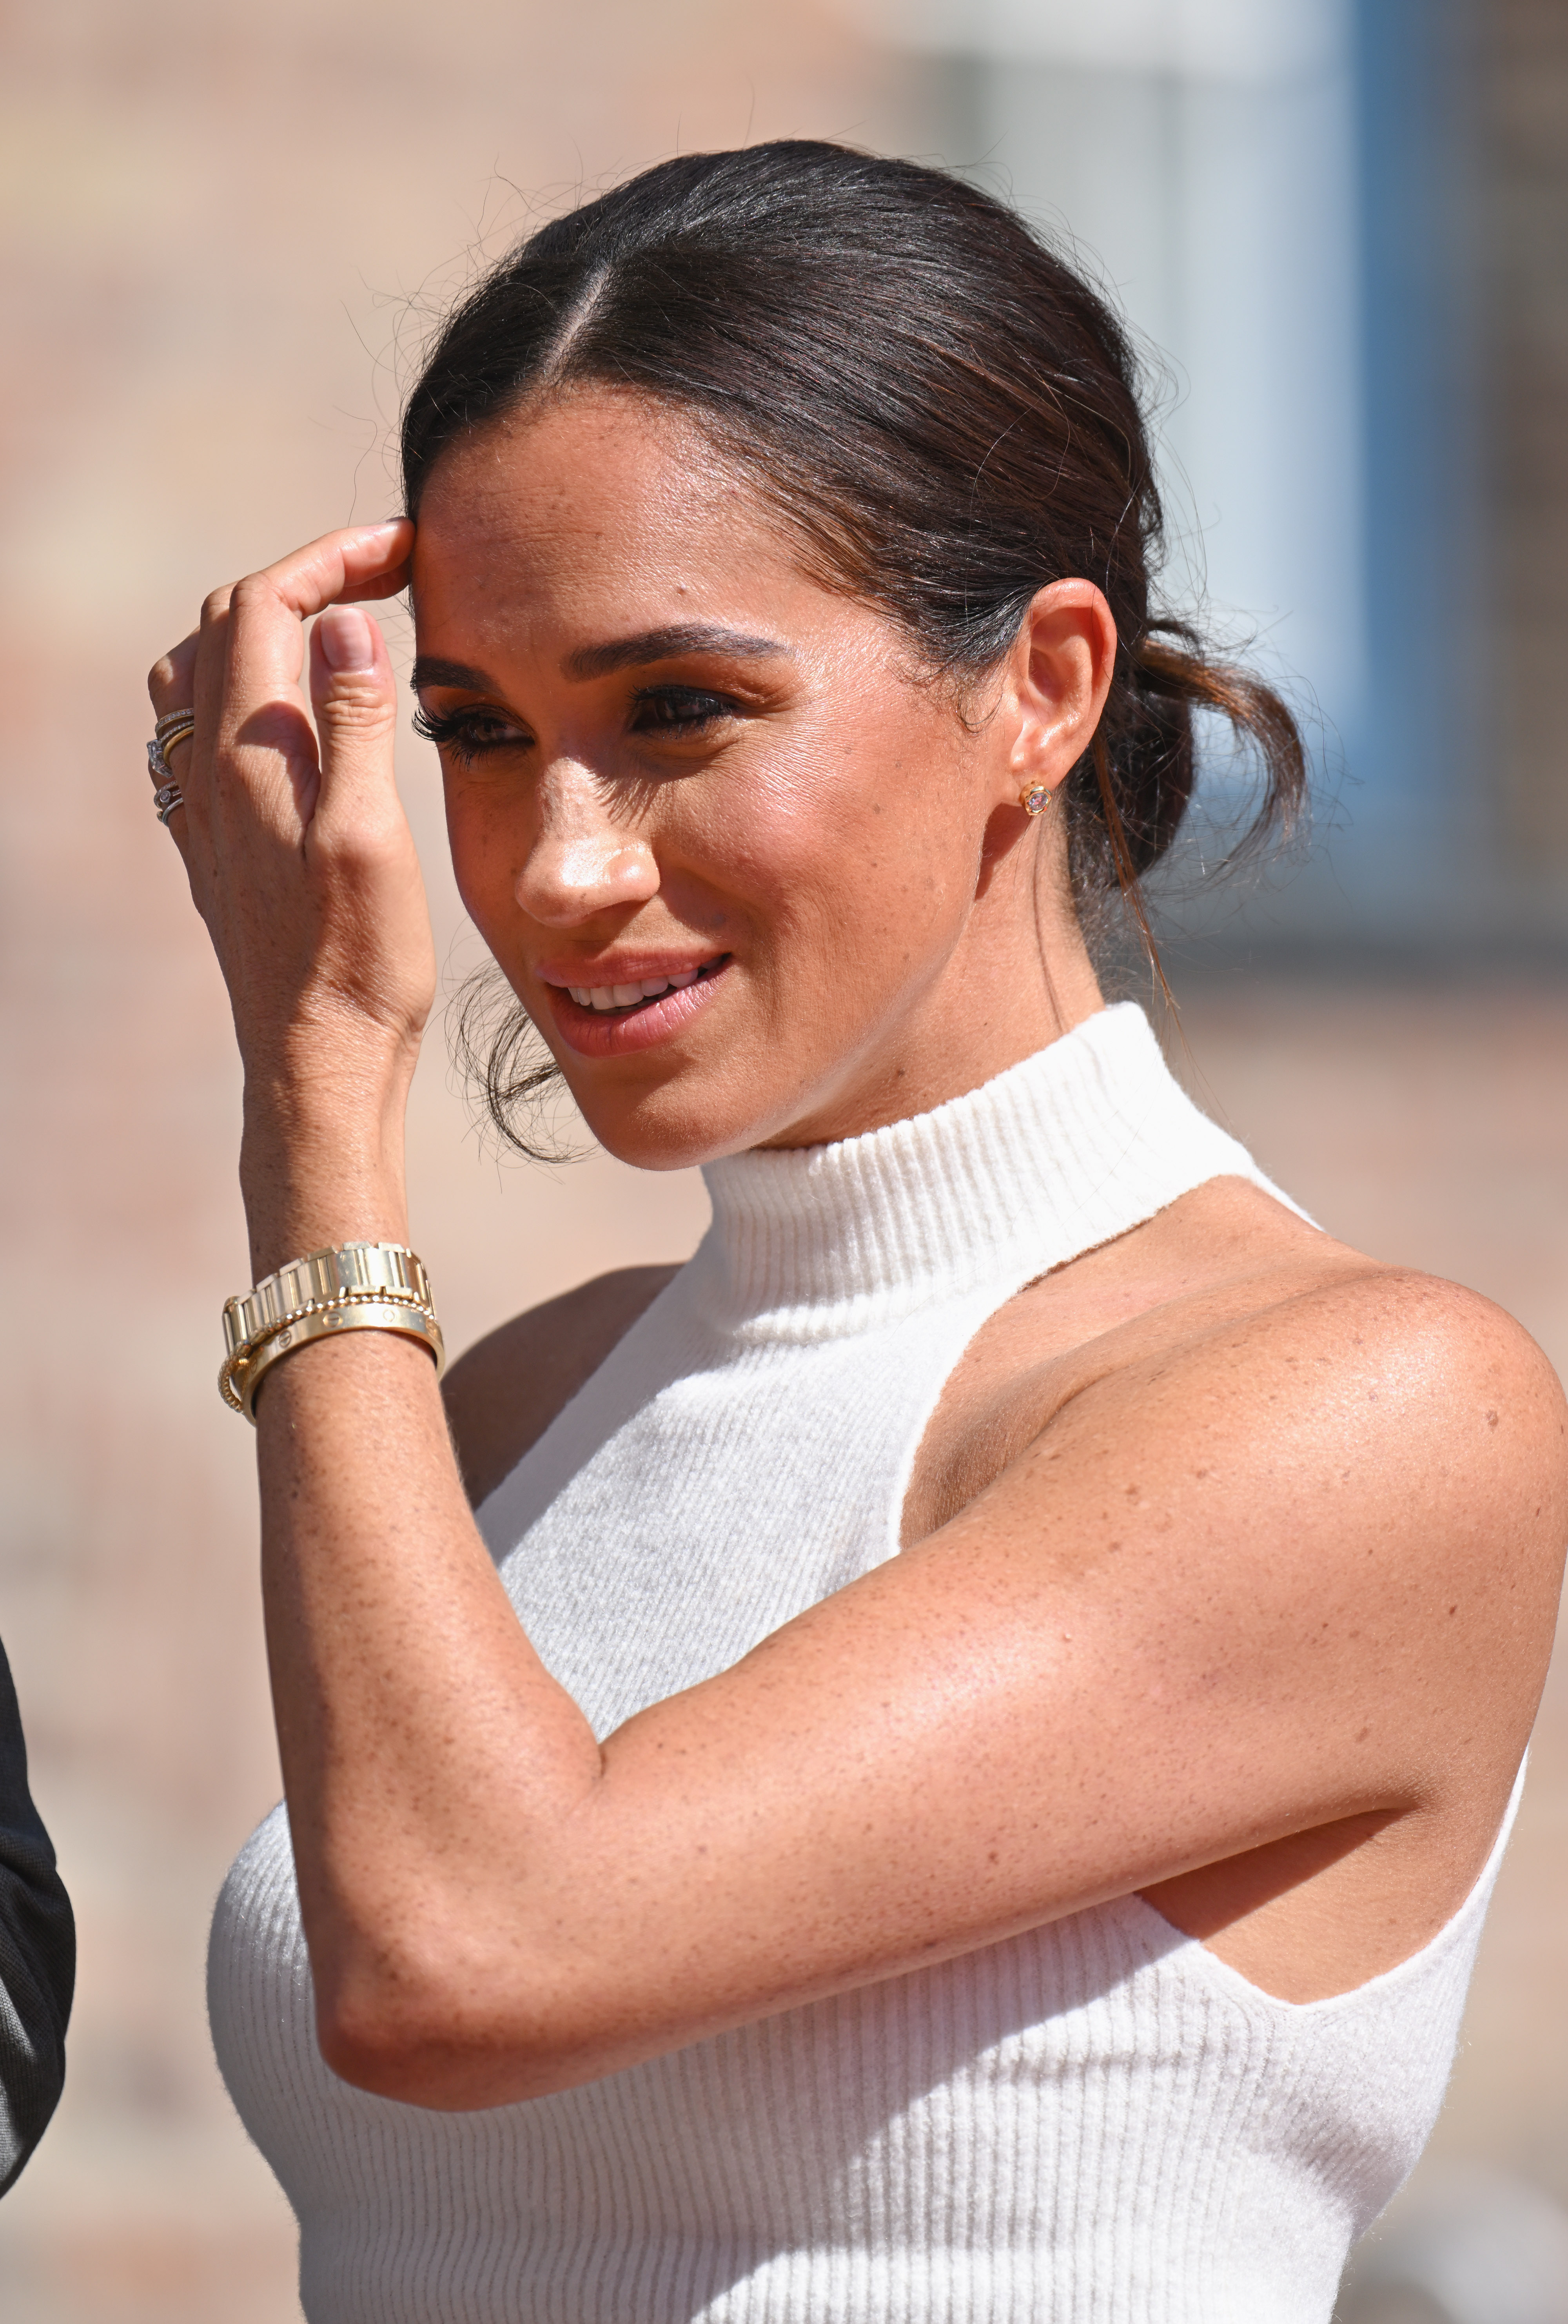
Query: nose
{"points": [[582, 861]]}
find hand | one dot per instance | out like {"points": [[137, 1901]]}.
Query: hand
{"points": [[300, 859]]}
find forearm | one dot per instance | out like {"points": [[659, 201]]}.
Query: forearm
{"points": [[322, 1152], [429, 1760]]}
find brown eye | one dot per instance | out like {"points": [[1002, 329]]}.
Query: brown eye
{"points": [[678, 710], [469, 735]]}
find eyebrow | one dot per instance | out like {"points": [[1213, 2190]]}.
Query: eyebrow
{"points": [[429, 669], [664, 645], [620, 653]]}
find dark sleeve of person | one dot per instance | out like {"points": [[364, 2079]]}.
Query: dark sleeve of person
{"points": [[37, 1954]]}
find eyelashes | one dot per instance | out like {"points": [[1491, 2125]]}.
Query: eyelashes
{"points": [[679, 709], [468, 734], [476, 731]]}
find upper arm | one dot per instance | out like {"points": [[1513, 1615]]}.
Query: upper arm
{"points": [[1300, 1568], [1232, 1594], [503, 1392]]}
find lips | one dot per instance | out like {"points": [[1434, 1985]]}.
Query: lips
{"points": [[636, 1011]]}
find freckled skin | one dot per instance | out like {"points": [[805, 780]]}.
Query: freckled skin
{"points": [[870, 973], [1230, 1557]]}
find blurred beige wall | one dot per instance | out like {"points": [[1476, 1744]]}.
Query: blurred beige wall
{"points": [[222, 232]]}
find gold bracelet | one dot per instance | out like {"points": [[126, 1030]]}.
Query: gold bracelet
{"points": [[385, 1277], [244, 1375]]}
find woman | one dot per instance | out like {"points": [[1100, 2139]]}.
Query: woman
{"points": [[945, 1759]]}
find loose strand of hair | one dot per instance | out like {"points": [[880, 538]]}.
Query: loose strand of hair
{"points": [[1127, 879], [1255, 713]]}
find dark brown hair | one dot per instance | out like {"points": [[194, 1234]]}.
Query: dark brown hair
{"points": [[944, 412]]}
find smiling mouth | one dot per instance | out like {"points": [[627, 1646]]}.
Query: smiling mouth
{"points": [[639, 992]]}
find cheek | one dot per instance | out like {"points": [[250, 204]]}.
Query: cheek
{"points": [[864, 797], [482, 844], [859, 829]]}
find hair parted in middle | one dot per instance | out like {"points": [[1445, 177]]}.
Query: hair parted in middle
{"points": [[943, 412]]}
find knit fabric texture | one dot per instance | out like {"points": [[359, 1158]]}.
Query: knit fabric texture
{"points": [[1095, 2123]]}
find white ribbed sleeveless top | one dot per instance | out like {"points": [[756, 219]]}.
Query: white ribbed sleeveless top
{"points": [[1097, 2122]]}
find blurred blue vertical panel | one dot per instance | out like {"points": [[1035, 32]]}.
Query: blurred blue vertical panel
{"points": [[1202, 160], [1273, 190], [1420, 800]]}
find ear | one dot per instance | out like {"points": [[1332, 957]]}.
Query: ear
{"points": [[1058, 675]]}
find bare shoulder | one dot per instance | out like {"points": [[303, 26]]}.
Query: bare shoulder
{"points": [[1385, 1414], [1440, 1369], [503, 1392], [1229, 1269], [1228, 1314], [1275, 1319]]}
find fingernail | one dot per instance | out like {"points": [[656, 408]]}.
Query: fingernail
{"points": [[347, 641]]}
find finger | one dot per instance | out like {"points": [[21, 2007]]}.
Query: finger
{"points": [[367, 560], [173, 816], [172, 686], [173, 683], [384, 584], [358, 562], [169, 752], [355, 697], [380, 582], [262, 616], [241, 669], [169, 683], [171, 680]]}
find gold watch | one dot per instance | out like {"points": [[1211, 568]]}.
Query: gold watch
{"points": [[379, 1286]]}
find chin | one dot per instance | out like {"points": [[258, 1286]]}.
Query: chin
{"points": [[679, 1124]]}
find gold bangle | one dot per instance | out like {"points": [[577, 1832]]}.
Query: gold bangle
{"points": [[242, 1375], [232, 1371], [383, 1275]]}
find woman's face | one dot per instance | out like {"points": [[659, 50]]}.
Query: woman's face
{"points": [[752, 880]]}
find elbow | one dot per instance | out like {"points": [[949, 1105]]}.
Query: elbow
{"points": [[442, 2042], [388, 2051]]}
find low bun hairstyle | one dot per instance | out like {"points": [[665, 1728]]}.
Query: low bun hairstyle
{"points": [[944, 413]]}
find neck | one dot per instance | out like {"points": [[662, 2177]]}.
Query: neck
{"points": [[1064, 1150]]}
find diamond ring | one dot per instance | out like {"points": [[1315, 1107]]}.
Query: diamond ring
{"points": [[174, 726]]}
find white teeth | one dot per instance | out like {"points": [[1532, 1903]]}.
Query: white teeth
{"points": [[622, 996]]}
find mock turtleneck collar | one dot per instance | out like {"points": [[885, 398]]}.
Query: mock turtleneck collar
{"points": [[1078, 1144]]}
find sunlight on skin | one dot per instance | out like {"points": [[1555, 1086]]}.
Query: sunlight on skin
{"points": [[853, 845], [830, 852]]}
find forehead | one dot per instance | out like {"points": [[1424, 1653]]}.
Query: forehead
{"points": [[591, 492]]}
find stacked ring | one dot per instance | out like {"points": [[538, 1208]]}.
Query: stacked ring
{"points": [[174, 727]]}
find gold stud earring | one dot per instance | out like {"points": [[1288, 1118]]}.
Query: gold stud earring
{"points": [[1035, 799]]}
